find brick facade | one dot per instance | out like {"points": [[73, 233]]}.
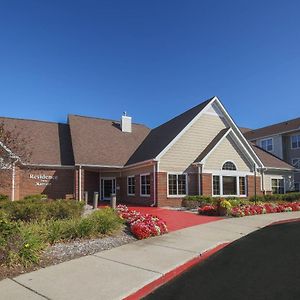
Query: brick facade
{"points": [[250, 186], [206, 184]]}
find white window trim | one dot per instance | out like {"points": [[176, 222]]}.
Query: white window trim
{"points": [[297, 183], [144, 195], [278, 177], [296, 158], [236, 168], [131, 176], [186, 185], [292, 141], [266, 139], [237, 184]]}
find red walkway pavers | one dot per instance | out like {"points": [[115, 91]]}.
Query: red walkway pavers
{"points": [[175, 219]]}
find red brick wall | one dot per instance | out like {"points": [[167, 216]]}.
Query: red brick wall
{"points": [[250, 186], [5, 182], [206, 184], [122, 196], [91, 184], [59, 188]]}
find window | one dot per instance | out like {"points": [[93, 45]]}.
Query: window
{"points": [[229, 166], [130, 185], [242, 185], [229, 185], [296, 163], [216, 185], [297, 186], [295, 141], [267, 144], [145, 185], [277, 186], [177, 184]]}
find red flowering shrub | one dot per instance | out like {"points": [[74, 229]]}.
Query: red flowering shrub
{"points": [[208, 210], [266, 208], [142, 225]]}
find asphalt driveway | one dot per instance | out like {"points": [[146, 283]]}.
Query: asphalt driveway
{"points": [[262, 265]]}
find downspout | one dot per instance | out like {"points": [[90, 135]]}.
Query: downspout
{"points": [[154, 185], [13, 181]]}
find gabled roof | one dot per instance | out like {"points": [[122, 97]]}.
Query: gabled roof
{"points": [[286, 126], [160, 137], [48, 142], [244, 129], [101, 142], [269, 160], [212, 144]]}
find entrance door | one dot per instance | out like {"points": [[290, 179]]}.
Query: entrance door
{"points": [[108, 187]]}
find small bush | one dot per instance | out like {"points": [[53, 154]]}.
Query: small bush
{"points": [[196, 201], [36, 197], [38, 210], [106, 220]]}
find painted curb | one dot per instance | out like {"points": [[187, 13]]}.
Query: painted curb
{"points": [[150, 287]]}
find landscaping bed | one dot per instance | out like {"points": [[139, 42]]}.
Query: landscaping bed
{"points": [[35, 233], [235, 207]]}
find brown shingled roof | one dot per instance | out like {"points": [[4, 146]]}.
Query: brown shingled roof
{"points": [[101, 142], [269, 160], [278, 128], [48, 142]]}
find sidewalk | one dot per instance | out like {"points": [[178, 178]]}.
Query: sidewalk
{"points": [[119, 272]]}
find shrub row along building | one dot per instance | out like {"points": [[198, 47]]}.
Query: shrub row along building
{"points": [[200, 152]]}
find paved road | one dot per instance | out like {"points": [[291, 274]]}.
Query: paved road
{"points": [[262, 265]]}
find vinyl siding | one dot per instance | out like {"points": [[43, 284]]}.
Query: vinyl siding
{"points": [[287, 176], [277, 145], [184, 152], [227, 150]]}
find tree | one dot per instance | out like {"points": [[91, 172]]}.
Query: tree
{"points": [[13, 150]]}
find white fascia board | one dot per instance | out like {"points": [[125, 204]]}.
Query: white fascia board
{"points": [[227, 116], [238, 143], [99, 166], [49, 166], [215, 146], [149, 161], [183, 131]]}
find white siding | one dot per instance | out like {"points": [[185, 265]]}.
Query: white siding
{"points": [[227, 150], [184, 152], [287, 176]]}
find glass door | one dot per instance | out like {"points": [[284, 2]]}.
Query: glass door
{"points": [[108, 187]]}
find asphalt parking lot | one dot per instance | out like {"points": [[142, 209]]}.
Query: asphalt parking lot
{"points": [[263, 265]]}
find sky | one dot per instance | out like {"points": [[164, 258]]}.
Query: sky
{"points": [[153, 59]]}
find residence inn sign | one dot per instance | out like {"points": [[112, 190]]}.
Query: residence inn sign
{"points": [[43, 179]]}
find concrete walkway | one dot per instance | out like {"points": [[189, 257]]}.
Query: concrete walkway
{"points": [[119, 272]]}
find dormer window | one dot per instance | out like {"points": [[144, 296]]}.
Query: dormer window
{"points": [[229, 165], [267, 144]]}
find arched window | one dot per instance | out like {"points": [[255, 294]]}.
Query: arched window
{"points": [[228, 165]]}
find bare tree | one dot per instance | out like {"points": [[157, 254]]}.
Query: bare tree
{"points": [[13, 150]]}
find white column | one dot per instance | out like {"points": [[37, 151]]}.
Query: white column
{"points": [[79, 183], [13, 181]]}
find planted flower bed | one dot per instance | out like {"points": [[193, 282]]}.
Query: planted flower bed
{"points": [[141, 225], [247, 209]]}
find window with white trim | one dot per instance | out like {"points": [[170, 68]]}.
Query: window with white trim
{"points": [[229, 165], [177, 184], [131, 185], [229, 185], [242, 184], [277, 186], [297, 186], [145, 185], [295, 139], [216, 185], [296, 163], [267, 144]]}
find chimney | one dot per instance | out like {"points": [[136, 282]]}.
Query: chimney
{"points": [[126, 123]]}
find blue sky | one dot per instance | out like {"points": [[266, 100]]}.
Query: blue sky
{"points": [[154, 59]]}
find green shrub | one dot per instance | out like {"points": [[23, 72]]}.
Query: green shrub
{"points": [[196, 201], [106, 220], [38, 210], [290, 197], [35, 197]]}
